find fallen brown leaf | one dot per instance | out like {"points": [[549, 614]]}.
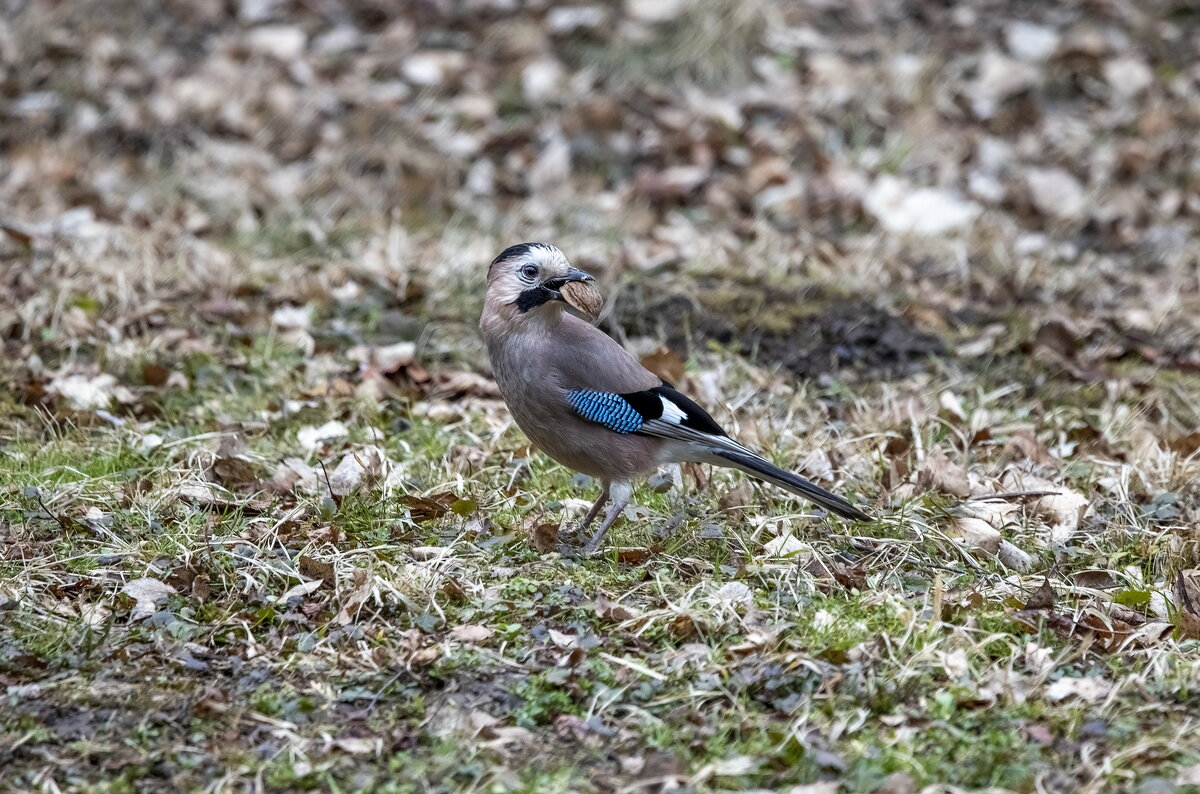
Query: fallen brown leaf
{"points": [[200, 588], [155, 375], [977, 533], [1043, 598], [1185, 445], [353, 601], [1023, 445], [613, 610], [938, 473], [1187, 596], [666, 364], [316, 569], [471, 633], [545, 537], [632, 555], [427, 508]]}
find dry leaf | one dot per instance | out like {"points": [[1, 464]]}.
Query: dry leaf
{"points": [[427, 508], [1187, 598], [84, 392], [977, 534], [732, 593], [302, 590], [545, 537], [209, 496], [997, 512], [1089, 690], [146, 593], [310, 437], [1043, 598], [356, 469], [1023, 445], [1109, 632], [363, 746], [928, 212], [235, 471], [1065, 508], [952, 407], [739, 496], [293, 318], [563, 640], [630, 555], [154, 375], [1058, 334], [471, 633], [682, 627], [895, 783], [426, 553], [666, 364], [455, 384], [1056, 193], [938, 473], [614, 611], [293, 474], [353, 601], [786, 546], [200, 588], [317, 569], [826, 787], [1189, 776], [1187, 446], [1014, 558], [387, 359]]}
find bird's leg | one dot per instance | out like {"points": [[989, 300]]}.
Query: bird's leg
{"points": [[621, 493], [595, 511]]}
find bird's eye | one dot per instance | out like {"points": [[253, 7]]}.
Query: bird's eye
{"points": [[529, 272]]}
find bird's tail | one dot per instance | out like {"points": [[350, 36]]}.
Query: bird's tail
{"points": [[764, 470]]}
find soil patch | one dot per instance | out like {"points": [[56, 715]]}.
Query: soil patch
{"points": [[804, 331]]}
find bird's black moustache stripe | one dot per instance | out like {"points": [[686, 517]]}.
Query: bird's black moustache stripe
{"points": [[532, 298]]}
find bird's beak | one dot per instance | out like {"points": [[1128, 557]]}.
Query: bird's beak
{"points": [[554, 284]]}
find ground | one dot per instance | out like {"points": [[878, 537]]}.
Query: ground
{"points": [[265, 523]]}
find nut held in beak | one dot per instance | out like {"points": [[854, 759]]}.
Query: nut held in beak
{"points": [[584, 297]]}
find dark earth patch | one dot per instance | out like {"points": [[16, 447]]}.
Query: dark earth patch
{"points": [[803, 331]]}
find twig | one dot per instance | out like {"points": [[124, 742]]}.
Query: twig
{"points": [[324, 473], [66, 524], [1010, 494]]}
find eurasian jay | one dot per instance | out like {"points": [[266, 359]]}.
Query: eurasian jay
{"points": [[587, 403]]}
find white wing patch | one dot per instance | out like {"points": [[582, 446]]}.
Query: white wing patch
{"points": [[671, 412]]}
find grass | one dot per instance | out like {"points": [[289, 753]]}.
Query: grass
{"points": [[746, 671]]}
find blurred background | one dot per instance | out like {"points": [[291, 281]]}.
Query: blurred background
{"points": [[829, 186]]}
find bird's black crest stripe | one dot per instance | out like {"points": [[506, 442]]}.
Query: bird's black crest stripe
{"points": [[520, 249], [532, 298]]}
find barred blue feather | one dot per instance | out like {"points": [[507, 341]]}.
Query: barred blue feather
{"points": [[610, 410]]}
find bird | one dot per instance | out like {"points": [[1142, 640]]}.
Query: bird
{"points": [[587, 403]]}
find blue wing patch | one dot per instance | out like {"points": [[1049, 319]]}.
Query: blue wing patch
{"points": [[611, 410]]}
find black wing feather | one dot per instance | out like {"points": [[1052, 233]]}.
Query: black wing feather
{"points": [[697, 418]]}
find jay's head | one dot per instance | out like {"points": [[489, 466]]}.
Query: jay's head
{"points": [[529, 276]]}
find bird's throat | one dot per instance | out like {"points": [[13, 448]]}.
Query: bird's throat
{"points": [[532, 298]]}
